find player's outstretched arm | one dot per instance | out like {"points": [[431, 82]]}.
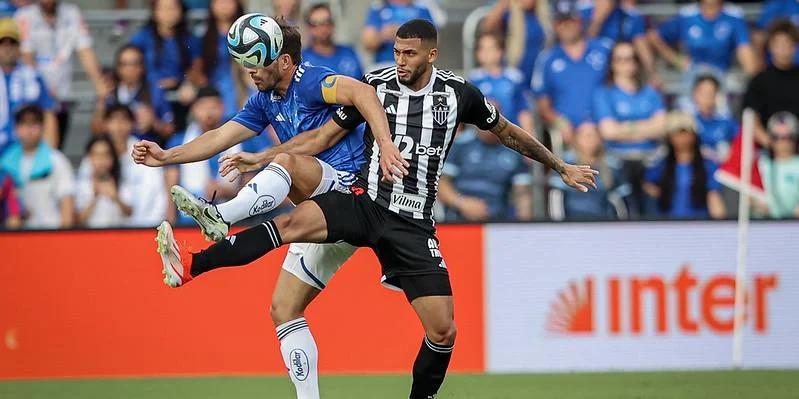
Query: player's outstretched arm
{"points": [[201, 148], [310, 142], [348, 91], [526, 144]]}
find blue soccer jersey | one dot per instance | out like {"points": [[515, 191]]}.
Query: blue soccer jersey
{"points": [[506, 89], [611, 102], [570, 83], [708, 42], [304, 107], [776, 9]]}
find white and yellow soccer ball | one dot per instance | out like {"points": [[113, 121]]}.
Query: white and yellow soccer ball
{"points": [[255, 40]]}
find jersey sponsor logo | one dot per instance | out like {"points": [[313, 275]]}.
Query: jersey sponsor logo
{"points": [[408, 147], [391, 110], [440, 110], [299, 364], [232, 239], [432, 245], [491, 108], [263, 202], [408, 202], [280, 118]]}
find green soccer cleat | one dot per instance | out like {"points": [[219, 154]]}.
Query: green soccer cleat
{"points": [[206, 215]]}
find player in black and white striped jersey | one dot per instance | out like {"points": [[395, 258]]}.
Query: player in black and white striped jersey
{"points": [[424, 107]]}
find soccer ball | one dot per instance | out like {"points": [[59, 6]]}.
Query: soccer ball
{"points": [[255, 40]]}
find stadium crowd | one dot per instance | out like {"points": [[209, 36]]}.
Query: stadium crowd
{"points": [[586, 75]]}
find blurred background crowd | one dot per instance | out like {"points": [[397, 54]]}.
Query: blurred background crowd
{"points": [[649, 93]]}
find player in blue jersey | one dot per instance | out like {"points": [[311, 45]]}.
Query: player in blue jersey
{"points": [[293, 98]]}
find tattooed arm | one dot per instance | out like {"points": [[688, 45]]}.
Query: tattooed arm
{"points": [[524, 143]]}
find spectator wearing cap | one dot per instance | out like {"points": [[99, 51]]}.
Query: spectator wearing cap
{"points": [[711, 34], [10, 210], [200, 178], [526, 26], [52, 33], [566, 75], [779, 167], [382, 22], [21, 85], [504, 86], [322, 50], [613, 20], [41, 173], [777, 87], [716, 131], [683, 183], [483, 180], [631, 118]]}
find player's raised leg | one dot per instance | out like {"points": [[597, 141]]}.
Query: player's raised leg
{"points": [[306, 223], [437, 316], [288, 175]]}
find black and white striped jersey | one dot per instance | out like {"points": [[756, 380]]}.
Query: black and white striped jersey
{"points": [[423, 125]]}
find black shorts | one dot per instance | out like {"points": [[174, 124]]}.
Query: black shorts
{"points": [[407, 250]]}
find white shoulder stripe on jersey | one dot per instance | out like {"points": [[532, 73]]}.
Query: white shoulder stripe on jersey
{"points": [[384, 75]]}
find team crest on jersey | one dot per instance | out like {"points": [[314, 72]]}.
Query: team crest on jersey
{"points": [[440, 110]]}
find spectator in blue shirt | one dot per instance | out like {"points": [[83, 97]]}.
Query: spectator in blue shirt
{"points": [[716, 131], [482, 180], [322, 51], [201, 178], [171, 53], [502, 85], [382, 22], [604, 202], [610, 19], [631, 117], [128, 85], [683, 183], [225, 75], [772, 11], [21, 85], [566, 75], [532, 18], [711, 34]]}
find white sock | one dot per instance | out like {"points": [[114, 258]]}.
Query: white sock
{"points": [[300, 355], [264, 192]]}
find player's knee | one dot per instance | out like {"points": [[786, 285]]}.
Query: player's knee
{"points": [[287, 161], [443, 334], [282, 311]]}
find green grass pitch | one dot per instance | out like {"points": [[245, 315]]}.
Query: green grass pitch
{"points": [[685, 385]]}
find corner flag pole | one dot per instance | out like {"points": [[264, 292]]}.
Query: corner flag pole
{"points": [[747, 144]]}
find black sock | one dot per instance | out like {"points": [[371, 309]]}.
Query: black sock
{"points": [[429, 369], [238, 249]]}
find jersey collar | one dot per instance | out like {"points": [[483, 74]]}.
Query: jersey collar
{"points": [[423, 91]]}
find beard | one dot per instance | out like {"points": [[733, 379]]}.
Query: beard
{"points": [[414, 76]]}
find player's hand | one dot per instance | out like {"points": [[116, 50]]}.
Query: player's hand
{"points": [[233, 165], [148, 153], [393, 165], [473, 209], [579, 177]]}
